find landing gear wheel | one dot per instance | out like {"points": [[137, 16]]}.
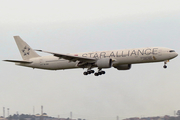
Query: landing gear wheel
{"points": [[99, 73], [92, 71], [103, 72], [89, 72], [96, 74], [85, 73], [165, 66]]}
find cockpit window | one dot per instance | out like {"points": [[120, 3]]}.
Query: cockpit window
{"points": [[172, 51]]}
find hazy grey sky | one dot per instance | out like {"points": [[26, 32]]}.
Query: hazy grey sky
{"points": [[82, 26]]}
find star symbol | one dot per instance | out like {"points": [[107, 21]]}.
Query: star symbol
{"points": [[26, 51]]}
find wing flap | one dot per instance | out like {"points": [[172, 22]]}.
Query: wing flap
{"points": [[18, 61]]}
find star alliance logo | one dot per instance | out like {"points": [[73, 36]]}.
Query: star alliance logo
{"points": [[26, 51]]}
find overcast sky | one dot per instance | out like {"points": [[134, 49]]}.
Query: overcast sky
{"points": [[74, 26]]}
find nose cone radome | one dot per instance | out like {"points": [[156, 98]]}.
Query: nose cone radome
{"points": [[176, 54], [173, 55]]}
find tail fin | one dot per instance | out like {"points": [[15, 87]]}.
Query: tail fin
{"points": [[26, 51]]}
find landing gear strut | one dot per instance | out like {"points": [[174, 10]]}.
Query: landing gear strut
{"points": [[165, 66]]}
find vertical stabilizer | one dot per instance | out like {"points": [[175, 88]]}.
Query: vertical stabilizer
{"points": [[26, 51]]}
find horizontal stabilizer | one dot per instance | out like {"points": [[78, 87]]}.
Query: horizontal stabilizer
{"points": [[18, 61]]}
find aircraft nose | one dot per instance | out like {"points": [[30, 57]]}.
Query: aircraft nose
{"points": [[176, 54]]}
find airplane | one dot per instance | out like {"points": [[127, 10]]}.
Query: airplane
{"points": [[119, 59]]}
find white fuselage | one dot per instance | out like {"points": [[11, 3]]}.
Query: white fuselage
{"points": [[119, 57]]}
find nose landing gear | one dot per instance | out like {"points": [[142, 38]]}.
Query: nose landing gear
{"points": [[165, 62]]}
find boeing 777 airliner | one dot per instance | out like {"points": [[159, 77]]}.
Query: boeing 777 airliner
{"points": [[119, 59]]}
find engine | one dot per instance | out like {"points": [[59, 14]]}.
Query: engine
{"points": [[123, 67], [104, 63]]}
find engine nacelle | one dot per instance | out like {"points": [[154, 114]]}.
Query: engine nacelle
{"points": [[104, 63], [123, 67]]}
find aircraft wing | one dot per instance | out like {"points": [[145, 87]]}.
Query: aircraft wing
{"points": [[71, 57], [18, 61]]}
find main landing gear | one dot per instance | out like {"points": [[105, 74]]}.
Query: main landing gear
{"points": [[100, 72], [88, 72]]}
